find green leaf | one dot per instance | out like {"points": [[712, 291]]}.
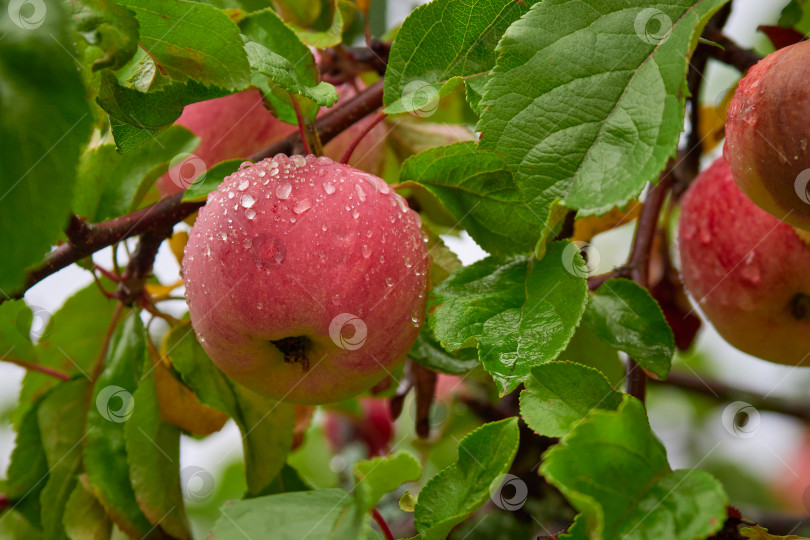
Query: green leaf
{"points": [[331, 36], [268, 30], [70, 342], [266, 425], [587, 349], [61, 422], [192, 40], [559, 395], [442, 43], [210, 180], [27, 471], [587, 98], [521, 312], [427, 351], [378, 476], [85, 518], [291, 516], [46, 119], [136, 116], [105, 455], [110, 27], [477, 188], [153, 452], [267, 436], [283, 73], [15, 330], [109, 181], [614, 471], [626, 317], [461, 489]]}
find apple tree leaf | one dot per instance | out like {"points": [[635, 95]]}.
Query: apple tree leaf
{"points": [[109, 27], [291, 516], [85, 518], [614, 471], [68, 343], [441, 44], [266, 425], [112, 405], [153, 452], [46, 120], [521, 312], [378, 476], [27, 471], [462, 488], [586, 102], [192, 40], [108, 181], [558, 395], [210, 180], [478, 189], [626, 317], [61, 422]]}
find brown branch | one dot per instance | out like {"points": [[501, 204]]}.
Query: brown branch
{"points": [[723, 392], [85, 239], [639, 262]]}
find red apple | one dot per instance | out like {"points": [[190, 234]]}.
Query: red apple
{"points": [[746, 269], [374, 427], [237, 126], [305, 278], [768, 131]]}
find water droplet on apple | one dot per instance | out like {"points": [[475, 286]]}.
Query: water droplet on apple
{"points": [[283, 191], [250, 214], [302, 206], [355, 214], [243, 185], [259, 306], [248, 201], [365, 251], [408, 263], [360, 193], [389, 281], [323, 228], [328, 188], [369, 233], [299, 161], [231, 194], [382, 259], [247, 243], [245, 165], [224, 235]]}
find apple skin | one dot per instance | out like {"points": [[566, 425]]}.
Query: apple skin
{"points": [[238, 125], [322, 247], [374, 427], [768, 132], [745, 269]]}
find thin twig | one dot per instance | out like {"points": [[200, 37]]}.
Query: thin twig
{"points": [[102, 355], [382, 524], [301, 127], [731, 53], [639, 262], [30, 366]]}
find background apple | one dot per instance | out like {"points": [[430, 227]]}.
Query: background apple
{"points": [[767, 134], [744, 267], [305, 278], [239, 125]]}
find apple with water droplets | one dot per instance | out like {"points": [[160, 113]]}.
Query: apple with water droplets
{"points": [[746, 269], [305, 278], [768, 134]]}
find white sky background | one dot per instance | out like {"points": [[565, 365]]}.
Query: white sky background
{"points": [[768, 453]]}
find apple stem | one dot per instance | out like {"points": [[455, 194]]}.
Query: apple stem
{"points": [[102, 355], [350, 150], [800, 306], [382, 524], [301, 127]]}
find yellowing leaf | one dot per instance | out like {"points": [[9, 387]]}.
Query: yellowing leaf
{"points": [[177, 243], [588, 227], [157, 289], [712, 124]]}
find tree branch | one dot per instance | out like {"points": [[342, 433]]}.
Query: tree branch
{"points": [[723, 392], [732, 54], [84, 239], [639, 262]]}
